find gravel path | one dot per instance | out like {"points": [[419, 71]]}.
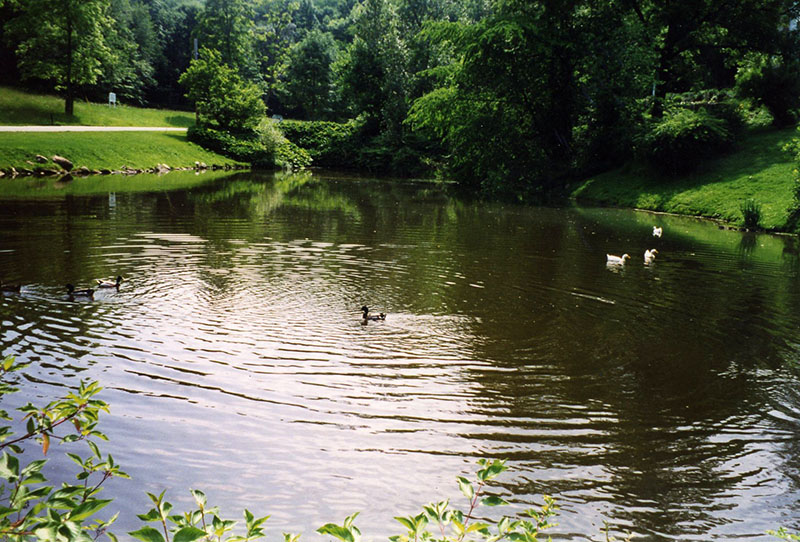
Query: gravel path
{"points": [[89, 129]]}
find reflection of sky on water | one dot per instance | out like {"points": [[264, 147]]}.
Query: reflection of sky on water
{"points": [[658, 398]]}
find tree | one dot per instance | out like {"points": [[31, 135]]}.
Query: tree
{"points": [[134, 41], [772, 80], [309, 84], [508, 106], [62, 41], [698, 43], [374, 71], [275, 33], [227, 26], [223, 100], [174, 23]]}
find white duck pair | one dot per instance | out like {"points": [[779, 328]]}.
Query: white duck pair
{"points": [[649, 255]]}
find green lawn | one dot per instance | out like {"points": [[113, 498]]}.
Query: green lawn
{"points": [[19, 107], [759, 169], [112, 150]]}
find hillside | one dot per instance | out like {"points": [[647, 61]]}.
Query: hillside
{"points": [[758, 169], [19, 107]]}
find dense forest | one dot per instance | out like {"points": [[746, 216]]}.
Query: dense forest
{"points": [[506, 96]]}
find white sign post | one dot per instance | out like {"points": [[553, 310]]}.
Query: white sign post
{"points": [[112, 99]]}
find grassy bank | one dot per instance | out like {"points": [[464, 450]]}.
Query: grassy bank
{"points": [[20, 108], [111, 150], [759, 169]]}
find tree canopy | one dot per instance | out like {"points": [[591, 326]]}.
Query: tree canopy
{"points": [[506, 96]]}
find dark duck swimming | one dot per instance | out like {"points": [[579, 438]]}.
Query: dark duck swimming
{"points": [[86, 293], [10, 288], [367, 317]]}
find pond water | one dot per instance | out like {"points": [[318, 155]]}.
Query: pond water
{"points": [[663, 399]]}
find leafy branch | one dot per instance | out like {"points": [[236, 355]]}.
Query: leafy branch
{"points": [[32, 510]]}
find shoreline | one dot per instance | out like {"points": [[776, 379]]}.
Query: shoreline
{"points": [[83, 171]]}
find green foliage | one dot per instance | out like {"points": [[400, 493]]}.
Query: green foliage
{"points": [[227, 26], [29, 508], [346, 145], [63, 42], [309, 77], [684, 138], [773, 81], [793, 149], [783, 534], [133, 40], [373, 71], [346, 532], [266, 148], [202, 523], [751, 213], [455, 525], [223, 100], [330, 144], [505, 110], [290, 156]]}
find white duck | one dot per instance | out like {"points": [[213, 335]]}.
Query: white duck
{"points": [[657, 231], [616, 260], [650, 256]]}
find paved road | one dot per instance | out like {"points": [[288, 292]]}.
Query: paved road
{"points": [[89, 129]]}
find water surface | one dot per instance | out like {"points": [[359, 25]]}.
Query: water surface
{"points": [[662, 399]]}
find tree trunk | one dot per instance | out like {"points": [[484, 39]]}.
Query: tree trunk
{"points": [[665, 57], [69, 99]]}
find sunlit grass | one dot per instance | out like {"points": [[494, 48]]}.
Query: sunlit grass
{"points": [[19, 107], [758, 170], [112, 150]]}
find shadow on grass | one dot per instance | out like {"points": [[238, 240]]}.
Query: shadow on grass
{"points": [[30, 115], [176, 120], [177, 136], [642, 185]]}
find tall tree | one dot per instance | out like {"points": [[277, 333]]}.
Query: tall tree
{"points": [[62, 41], [227, 26], [509, 106], [174, 22], [275, 33], [309, 77], [374, 72], [134, 41]]}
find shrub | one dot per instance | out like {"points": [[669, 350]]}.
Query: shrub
{"points": [[247, 148], [346, 145], [751, 212], [32, 510], [684, 138], [330, 144], [265, 148], [719, 103], [793, 212]]}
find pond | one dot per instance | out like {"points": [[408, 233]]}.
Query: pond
{"points": [[661, 398]]}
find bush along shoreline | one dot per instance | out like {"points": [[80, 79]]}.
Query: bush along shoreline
{"points": [[263, 148]]}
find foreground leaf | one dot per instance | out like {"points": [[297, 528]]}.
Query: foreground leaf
{"points": [[147, 534]]}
